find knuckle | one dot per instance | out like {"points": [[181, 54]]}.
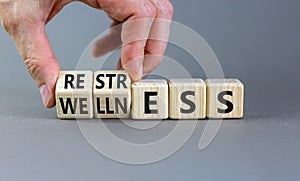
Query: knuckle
{"points": [[166, 8], [10, 26], [148, 10], [170, 7], [33, 67], [9, 19], [14, 24]]}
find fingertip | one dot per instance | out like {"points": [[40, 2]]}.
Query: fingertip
{"points": [[51, 103], [96, 52], [136, 79], [134, 69]]}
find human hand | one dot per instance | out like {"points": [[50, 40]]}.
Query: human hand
{"points": [[25, 22]]}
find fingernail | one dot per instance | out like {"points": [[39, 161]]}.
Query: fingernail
{"points": [[45, 94], [135, 69]]}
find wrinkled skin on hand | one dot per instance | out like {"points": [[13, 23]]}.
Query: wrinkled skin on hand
{"points": [[25, 22]]}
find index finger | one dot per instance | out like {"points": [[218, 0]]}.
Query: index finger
{"points": [[158, 38], [135, 32]]}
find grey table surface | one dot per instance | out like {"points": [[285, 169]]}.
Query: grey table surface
{"points": [[255, 41]]}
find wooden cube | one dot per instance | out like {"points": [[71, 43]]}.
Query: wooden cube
{"points": [[150, 99], [225, 98], [74, 96], [187, 99], [112, 94]]}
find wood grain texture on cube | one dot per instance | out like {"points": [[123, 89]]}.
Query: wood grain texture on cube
{"points": [[112, 94], [225, 98], [74, 95], [150, 99], [187, 99]]}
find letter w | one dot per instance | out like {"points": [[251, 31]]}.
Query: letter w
{"points": [[65, 107]]}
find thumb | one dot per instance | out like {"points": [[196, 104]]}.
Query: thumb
{"points": [[35, 49]]}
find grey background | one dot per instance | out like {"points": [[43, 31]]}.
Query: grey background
{"points": [[257, 41]]}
